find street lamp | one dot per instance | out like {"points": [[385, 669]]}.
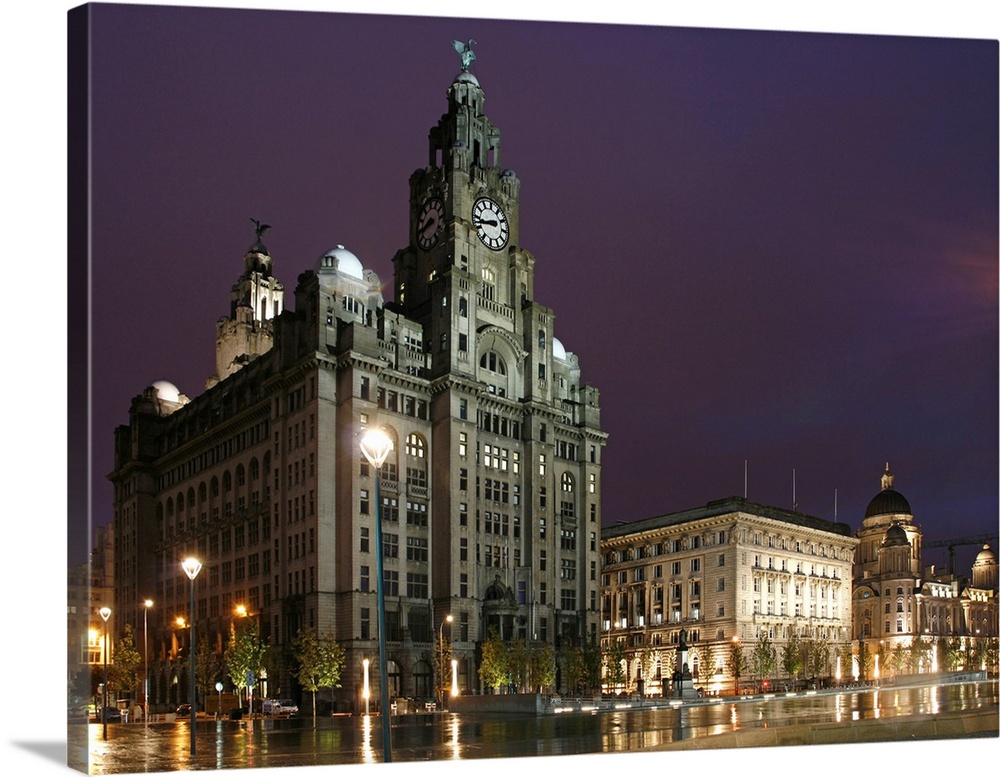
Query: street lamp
{"points": [[737, 662], [145, 661], [105, 614], [366, 689], [192, 567], [375, 445], [440, 663]]}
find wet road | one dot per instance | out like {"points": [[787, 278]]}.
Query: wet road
{"points": [[162, 747]]}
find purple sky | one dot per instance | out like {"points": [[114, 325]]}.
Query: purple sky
{"points": [[770, 248]]}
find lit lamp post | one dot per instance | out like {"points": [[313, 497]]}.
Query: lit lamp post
{"points": [[737, 663], [105, 614], [145, 661], [441, 665], [366, 689], [192, 567], [375, 445]]}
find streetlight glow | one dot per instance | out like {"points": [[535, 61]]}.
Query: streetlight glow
{"points": [[192, 567], [145, 661], [375, 445], [105, 613], [440, 663]]}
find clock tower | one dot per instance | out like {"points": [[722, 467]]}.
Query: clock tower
{"points": [[464, 275]]}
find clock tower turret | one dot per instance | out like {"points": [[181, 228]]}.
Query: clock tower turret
{"points": [[464, 270]]}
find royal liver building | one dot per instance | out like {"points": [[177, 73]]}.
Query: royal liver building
{"points": [[490, 497]]}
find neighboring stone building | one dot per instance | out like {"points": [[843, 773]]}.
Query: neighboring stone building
{"points": [[490, 498], [906, 615], [725, 573], [89, 588]]}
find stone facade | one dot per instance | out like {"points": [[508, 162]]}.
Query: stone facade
{"points": [[490, 498], [909, 617], [731, 573]]}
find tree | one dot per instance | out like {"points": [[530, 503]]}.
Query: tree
{"points": [[244, 656], [883, 655], [865, 660], [763, 657], [541, 669], [442, 664], [320, 661], [581, 666], [125, 669], [817, 661], [738, 663], [647, 665], [952, 654], [791, 658], [614, 668], [494, 667], [919, 649], [207, 668], [990, 652]]}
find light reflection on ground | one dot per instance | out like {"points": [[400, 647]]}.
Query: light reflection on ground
{"points": [[425, 737]]}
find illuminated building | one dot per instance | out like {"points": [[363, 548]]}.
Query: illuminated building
{"points": [[490, 498], [908, 615], [728, 573]]}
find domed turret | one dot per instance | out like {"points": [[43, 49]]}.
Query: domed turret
{"points": [[984, 569], [888, 501], [895, 535], [341, 260]]}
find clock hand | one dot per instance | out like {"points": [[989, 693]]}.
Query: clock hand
{"points": [[491, 222]]}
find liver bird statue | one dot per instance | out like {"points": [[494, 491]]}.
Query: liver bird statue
{"points": [[465, 52]]}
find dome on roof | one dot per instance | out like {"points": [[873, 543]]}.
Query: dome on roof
{"points": [[346, 263], [888, 502], [167, 391], [895, 535], [986, 556], [558, 351], [465, 77]]}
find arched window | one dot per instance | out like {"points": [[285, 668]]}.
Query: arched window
{"points": [[202, 492], [214, 487], [567, 483], [415, 446], [254, 469], [541, 338], [493, 362]]}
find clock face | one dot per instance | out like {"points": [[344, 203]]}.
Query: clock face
{"points": [[491, 223], [429, 223]]}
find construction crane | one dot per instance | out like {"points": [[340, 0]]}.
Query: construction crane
{"points": [[979, 539]]}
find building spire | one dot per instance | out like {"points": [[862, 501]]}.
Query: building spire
{"points": [[887, 478]]}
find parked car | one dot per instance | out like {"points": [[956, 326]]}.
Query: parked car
{"points": [[280, 707], [112, 715], [184, 711]]}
